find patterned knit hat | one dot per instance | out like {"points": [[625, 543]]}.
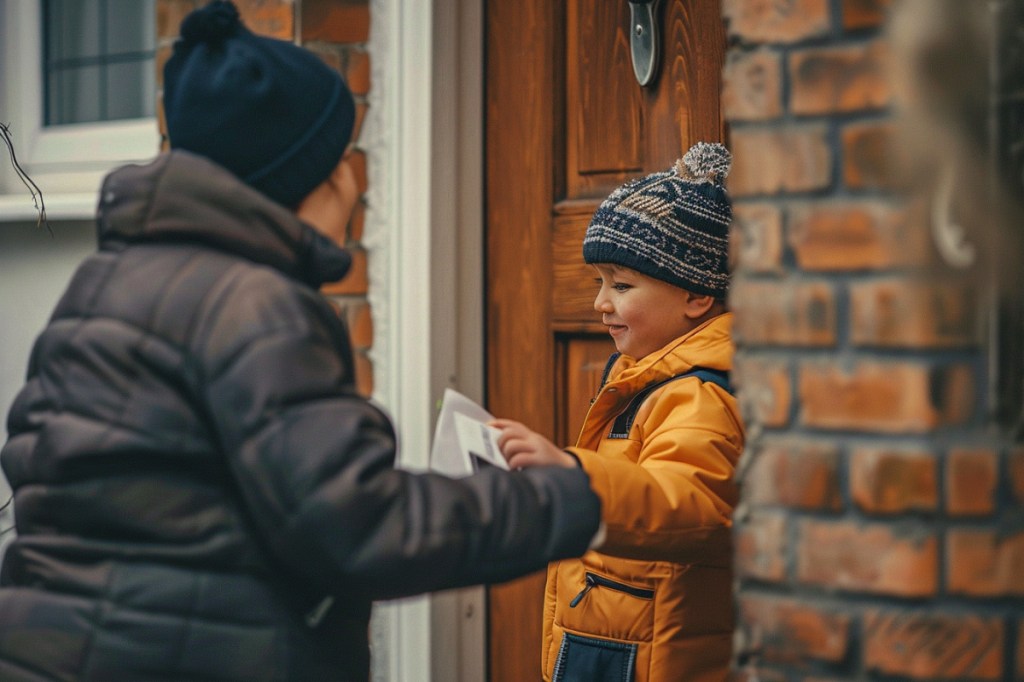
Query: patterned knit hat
{"points": [[672, 225], [269, 111]]}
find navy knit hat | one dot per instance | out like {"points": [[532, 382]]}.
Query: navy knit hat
{"points": [[269, 111], [672, 225]]}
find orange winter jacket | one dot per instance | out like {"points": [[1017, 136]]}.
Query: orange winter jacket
{"points": [[655, 603]]}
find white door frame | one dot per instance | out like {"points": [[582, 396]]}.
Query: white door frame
{"points": [[424, 143]]}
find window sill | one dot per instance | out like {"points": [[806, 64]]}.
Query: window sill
{"points": [[16, 208]]}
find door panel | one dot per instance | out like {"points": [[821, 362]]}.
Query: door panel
{"points": [[582, 363], [567, 123], [603, 103], [573, 290]]}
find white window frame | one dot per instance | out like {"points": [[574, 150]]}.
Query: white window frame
{"points": [[67, 162]]}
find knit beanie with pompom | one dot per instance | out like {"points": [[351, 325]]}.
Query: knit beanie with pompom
{"points": [[672, 225], [271, 112]]}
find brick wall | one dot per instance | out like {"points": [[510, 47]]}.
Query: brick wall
{"points": [[879, 534], [337, 31]]}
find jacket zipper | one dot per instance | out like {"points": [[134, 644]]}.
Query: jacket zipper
{"points": [[593, 580]]}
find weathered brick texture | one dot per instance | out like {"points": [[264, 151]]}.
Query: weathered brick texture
{"points": [[891, 481], [776, 22], [762, 542], [878, 535], [971, 479], [876, 558], [336, 21], [884, 397], [787, 630], [864, 13], [767, 392], [931, 646], [773, 160], [893, 312], [838, 80], [785, 313], [753, 89], [840, 235], [757, 238], [797, 474], [982, 563]]}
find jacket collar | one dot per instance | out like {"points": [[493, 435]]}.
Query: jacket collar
{"points": [[183, 197], [709, 345]]}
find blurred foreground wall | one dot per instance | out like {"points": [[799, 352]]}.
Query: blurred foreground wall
{"points": [[878, 261]]}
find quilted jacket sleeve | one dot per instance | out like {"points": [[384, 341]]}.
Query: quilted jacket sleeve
{"points": [[668, 491], [314, 463]]}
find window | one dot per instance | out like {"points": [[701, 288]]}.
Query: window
{"points": [[99, 60], [78, 90]]}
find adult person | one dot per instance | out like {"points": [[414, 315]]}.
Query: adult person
{"points": [[200, 491]]}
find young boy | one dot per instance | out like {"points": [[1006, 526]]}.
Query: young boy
{"points": [[660, 442], [200, 491]]}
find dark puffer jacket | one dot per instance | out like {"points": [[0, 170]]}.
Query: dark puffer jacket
{"points": [[196, 478]]}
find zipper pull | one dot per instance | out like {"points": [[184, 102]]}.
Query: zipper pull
{"points": [[590, 583]]}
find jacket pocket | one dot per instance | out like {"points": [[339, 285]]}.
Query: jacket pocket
{"points": [[592, 580], [587, 659]]}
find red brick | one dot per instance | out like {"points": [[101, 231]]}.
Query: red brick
{"points": [[756, 238], [868, 156], [275, 18], [170, 14], [355, 282], [971, 478], [888, 397], [839, 79], [797, 158], [846, 236], [752, 86], [910, 313], [360, 324], [1016, 469], [886, 481], [985, 563], [357, 223], [779, 22], [336, 21], [357, 160], [930, 646], [786, 630], [357, 71], [794, 473], [357, 126], [864, 13], [876, 558], [767, 393], [761, 547], [784, 313]]}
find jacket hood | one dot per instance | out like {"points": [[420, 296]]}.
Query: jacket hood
{"points": [[183, 197]]}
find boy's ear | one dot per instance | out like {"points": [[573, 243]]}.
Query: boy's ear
{"points": [[697, 305]]}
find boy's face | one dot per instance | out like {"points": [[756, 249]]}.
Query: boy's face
{"points": [[642, 314]]}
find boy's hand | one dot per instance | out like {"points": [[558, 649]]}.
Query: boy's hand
{"points": [[525, 448]]}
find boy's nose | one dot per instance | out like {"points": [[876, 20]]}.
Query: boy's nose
{"points": [[602, 304]]}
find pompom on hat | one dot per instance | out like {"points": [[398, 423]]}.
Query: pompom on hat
{"points": [[672, 225], [269, 111]]}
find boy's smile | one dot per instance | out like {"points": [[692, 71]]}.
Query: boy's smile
{"points": [[642, 314]]}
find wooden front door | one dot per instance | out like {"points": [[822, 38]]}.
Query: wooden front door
{"points": [[566, 123]]}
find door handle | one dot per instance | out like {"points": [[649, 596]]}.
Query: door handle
{"points": [[644, 39]]}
